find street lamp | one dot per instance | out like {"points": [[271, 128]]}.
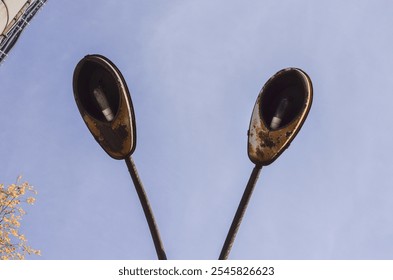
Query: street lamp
{"points": [[104, 101], [281, 108]]}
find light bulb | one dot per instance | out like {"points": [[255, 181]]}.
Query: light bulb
{"points": [[103, 103], [282, 107]]}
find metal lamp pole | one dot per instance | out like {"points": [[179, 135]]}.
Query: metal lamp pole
{"points": [[240, 213], [104, 101], [146, 209], [279, 112]]}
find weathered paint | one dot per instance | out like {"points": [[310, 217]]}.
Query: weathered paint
{"points": [[264, 144], [117, 137]]}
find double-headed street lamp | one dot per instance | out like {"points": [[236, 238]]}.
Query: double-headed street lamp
{"points": [[105, 104]]}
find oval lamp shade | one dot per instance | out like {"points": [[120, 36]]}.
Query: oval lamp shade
{"points": [[104, 102], [281, 108]]}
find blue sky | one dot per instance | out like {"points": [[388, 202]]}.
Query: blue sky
{"points": [[195, 69]]}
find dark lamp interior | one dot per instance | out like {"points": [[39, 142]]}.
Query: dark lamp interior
{"points": [[289, 85], [91, 76]]}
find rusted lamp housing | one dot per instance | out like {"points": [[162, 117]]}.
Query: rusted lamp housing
{"points": [[279, 112], [104, 102]]}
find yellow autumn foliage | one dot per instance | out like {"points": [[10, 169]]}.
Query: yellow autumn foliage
{"points": [[13, 244]]}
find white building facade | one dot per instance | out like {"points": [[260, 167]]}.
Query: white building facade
{"points": [[14, 17]]}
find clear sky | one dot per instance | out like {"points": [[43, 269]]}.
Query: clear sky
{"points": [[195, 69]]}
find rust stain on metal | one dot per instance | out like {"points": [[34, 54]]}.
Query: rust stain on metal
{"points": [[266, 144], [266, 141], [260, 153], [111, 136]]}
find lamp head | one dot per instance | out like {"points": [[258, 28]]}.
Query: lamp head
{"points": [[104, 101], [281, 108]]}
